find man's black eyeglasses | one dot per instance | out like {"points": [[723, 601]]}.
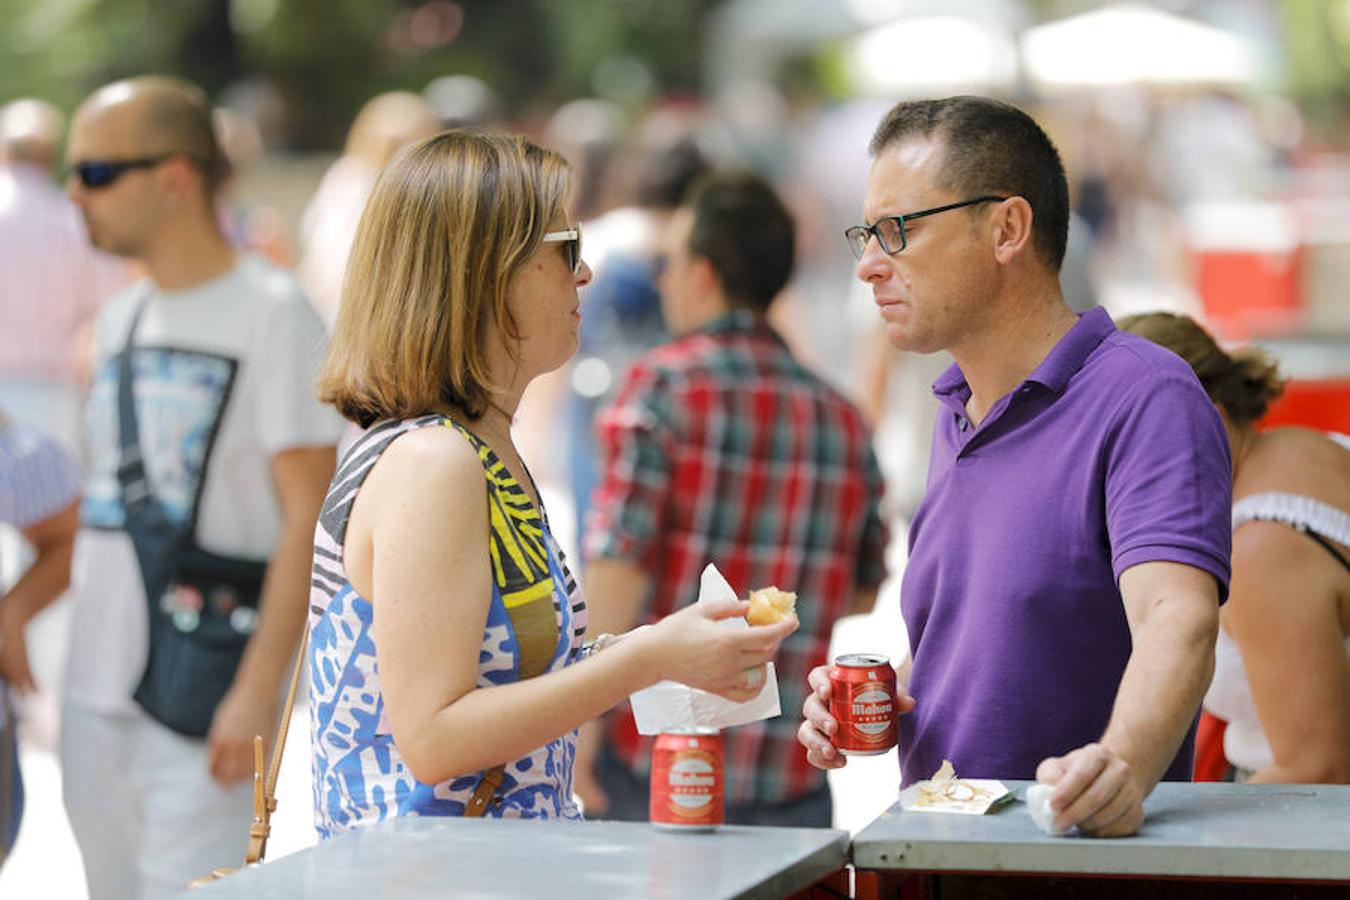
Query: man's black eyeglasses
{"points": [[99, 173], [890, 230], [571, 241]]}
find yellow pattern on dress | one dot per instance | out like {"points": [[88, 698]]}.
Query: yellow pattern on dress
{"points": [[516, 539]]}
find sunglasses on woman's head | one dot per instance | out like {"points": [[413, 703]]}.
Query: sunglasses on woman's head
{"points": [[99, 173], [571, 241]]}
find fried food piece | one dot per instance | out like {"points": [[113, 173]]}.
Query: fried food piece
{"points": [[944, 787], [769, 606]]}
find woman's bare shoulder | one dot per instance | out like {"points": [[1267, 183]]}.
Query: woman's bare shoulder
{"points": [[1298, 461], [426, 464]]}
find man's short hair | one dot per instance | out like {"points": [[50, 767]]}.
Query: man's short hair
{"points": [[666, 175], [176, 117], [746, 233], [990, 147]]}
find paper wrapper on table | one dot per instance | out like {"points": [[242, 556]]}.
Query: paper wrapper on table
{"points": [[668, 704], [946, 793]]}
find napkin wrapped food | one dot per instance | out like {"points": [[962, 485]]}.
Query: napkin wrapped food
{"points": [[668, 705]]}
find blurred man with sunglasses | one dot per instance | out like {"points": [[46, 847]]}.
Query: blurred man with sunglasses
{"points": [[722, 447], [220, 428], [1068, 559]]}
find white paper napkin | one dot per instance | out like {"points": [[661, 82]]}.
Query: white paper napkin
{"points": [[1038, 804], [669, 704]]}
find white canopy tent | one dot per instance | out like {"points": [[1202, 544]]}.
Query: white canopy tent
{"points": [[1134, 44], [933, 54]]}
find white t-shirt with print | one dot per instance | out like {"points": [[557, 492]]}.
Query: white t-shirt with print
{"points": [[224, 375]]}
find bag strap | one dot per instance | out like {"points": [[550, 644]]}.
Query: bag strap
{"points": [[130, 466], [482, 795], [131, 473], [265, 789]]}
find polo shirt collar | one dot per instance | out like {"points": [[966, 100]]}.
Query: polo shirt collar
{"points": [[1059, 365], [1068, 356]]}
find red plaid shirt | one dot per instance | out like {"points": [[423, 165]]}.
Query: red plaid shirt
{"points": [[722, 448]]}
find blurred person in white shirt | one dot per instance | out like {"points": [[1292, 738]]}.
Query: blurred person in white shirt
{"points": [[52, 281]]}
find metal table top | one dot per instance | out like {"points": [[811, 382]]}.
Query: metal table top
{"points": [[1267, 831], [444, 857]]}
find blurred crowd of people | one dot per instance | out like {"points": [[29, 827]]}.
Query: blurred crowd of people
{"points": [[159, 264]]}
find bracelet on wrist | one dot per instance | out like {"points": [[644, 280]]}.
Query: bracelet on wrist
{"points": [[590, 648]]}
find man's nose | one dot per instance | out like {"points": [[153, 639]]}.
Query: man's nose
{"points": [[74, 190], [875, 263]]}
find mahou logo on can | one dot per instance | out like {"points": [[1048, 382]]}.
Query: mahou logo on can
{"points": [[687, 780], [862, 701]]}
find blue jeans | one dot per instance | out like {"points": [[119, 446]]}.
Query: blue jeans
{"points": [[629, 796], [11, 789]]}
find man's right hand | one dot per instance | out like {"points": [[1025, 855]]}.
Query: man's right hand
{"points": [[819, 727], [14, 651]]}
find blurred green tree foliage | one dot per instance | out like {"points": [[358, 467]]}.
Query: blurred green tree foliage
{"points": [[327, 57], [1317, 57]]}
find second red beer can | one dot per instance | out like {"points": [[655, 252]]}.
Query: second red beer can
{"points": [[687, 780], [862, 701]]}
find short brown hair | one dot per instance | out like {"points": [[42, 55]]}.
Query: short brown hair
{"points": [[990, 147], [744, 231], [1243, 382], [175, 117], [448, 224]]}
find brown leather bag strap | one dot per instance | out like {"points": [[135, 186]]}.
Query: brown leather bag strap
{"points": [[482, 795], [265, 789]]}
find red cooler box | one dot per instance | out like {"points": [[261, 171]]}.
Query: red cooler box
{"points": [[1248, 266], [1318, 392]]}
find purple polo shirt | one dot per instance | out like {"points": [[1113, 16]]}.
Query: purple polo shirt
{"points": [[1109, 455]]}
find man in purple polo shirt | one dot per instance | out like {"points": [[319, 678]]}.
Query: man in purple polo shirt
{"points": [[1068, 560]]}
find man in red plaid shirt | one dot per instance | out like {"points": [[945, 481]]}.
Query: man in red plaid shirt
{"points": [[721, 447]]}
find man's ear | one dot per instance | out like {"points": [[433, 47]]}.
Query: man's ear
{"points": [[702, 277], [182, 179], [1011, 229]]}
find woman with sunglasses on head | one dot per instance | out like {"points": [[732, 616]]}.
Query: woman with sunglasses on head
{"points": [[1282, 665], [447, 656]]}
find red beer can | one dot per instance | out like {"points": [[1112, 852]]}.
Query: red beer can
{"points": [[862, 701], [687, 780]]}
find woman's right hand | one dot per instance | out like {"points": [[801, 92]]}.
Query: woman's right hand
{"points": [[693, 648]]}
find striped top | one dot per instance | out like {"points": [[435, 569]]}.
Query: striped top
{"points": [[535, 624], [37, 477]]}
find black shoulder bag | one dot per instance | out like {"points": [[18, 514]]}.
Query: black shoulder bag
{"points": [[202, 606]]}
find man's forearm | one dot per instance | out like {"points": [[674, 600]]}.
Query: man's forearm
{"points": [[1163, 684], [281, 612], [44, 581], [53, 541], [616, 591]]}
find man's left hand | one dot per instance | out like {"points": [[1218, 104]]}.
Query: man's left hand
{"points": [[242, 714], [1095, 789]]}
